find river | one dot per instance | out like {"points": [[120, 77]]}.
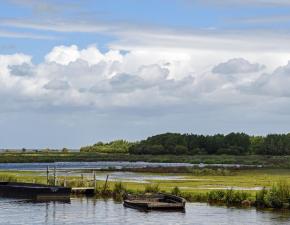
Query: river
{"points": [[91, 211]]}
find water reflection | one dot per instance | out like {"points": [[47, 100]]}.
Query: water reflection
{"points": [[96, 211]]}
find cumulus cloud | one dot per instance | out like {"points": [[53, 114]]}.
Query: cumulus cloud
{"points": [[272, 84], [238, 65], [89, 78]]}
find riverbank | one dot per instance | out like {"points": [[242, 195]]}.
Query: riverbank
{"points": [[55, 156], [240, 187]]}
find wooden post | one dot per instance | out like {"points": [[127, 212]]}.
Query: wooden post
{"points": [[64, 182], [47, 175], [95, 182], [54, 175], [105, 186]]}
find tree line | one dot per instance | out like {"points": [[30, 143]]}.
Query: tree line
{"points": [[193, 144], [118, 146]]}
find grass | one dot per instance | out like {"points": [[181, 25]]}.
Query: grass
{"points": [[54, 156], [195, 186]]}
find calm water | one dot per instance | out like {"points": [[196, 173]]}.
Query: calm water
{"points": [[86, 165], [89, 211], [105, 165]]}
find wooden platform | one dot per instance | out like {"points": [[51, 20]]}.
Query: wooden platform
{"points": [[37, 192], [83, 191]]}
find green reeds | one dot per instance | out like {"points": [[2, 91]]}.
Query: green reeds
{"points": [[152, 188], [278, 196]]}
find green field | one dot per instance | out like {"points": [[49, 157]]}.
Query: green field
{"points": [[267, 161], [244, 180], [207, 185]]}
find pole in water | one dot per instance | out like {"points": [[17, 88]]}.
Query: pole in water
{"points": [[64, 182], [95, 182], [105, 186], [54, 175], [47, 175]]}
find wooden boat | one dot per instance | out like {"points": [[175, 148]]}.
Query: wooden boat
{"points": [[36, 192], [158, 201]]}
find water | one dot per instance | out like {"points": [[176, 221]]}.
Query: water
{"points": [[106, 165], [91, 211], [86, 165]]}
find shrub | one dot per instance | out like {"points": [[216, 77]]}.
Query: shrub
{"points": [[119, 188], [261, 198], [229, 197], [176, 191], [152, 188], [278, 194]]}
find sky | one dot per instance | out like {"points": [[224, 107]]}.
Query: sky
{"points": [[75, 72]]}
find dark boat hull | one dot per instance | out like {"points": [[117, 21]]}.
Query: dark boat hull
{"points": [[162, 202], [34, 191]]}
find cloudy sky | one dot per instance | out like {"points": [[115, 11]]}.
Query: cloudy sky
{"points": [[73, 72]]}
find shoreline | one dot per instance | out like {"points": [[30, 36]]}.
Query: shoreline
{"points": [[49, 157]]}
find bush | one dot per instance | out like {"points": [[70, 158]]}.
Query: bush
{"points": [[152, 188], [119, 188], [229, 197], [278, 194], [275, 197], [261, 198], [176, 191]]}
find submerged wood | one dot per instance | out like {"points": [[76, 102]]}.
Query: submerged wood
{"points": [[88, 191], [38, 192], [158, 201]]}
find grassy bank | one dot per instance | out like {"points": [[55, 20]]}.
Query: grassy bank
{"points": [[229, 187], [19, 157]]}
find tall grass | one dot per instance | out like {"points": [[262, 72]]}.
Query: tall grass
{"points": [[228, 197], [278, 196], [8, 178], [152, 188]]}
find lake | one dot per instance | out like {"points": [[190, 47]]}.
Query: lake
{"points": [[91, 211]]}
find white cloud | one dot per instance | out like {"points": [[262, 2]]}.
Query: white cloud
{"points": [[88, 78], [273, 84]]}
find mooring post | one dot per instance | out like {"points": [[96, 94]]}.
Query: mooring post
{"points": [[54, 175], [47, 175], [105, 186], [95, 182], [64, 182]]}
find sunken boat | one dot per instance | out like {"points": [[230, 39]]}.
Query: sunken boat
{"points": [[37, 192], [160, 201]]}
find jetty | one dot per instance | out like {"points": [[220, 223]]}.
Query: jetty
{"points": [[88, 191], [38, 192]]}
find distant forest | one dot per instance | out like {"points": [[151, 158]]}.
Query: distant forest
{"points": [[193, 144]]}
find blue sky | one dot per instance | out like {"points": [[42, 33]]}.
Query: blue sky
{"points": [[76, 72], [174, 14]]}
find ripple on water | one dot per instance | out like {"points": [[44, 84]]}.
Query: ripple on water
{"points": [[91, 211]]}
